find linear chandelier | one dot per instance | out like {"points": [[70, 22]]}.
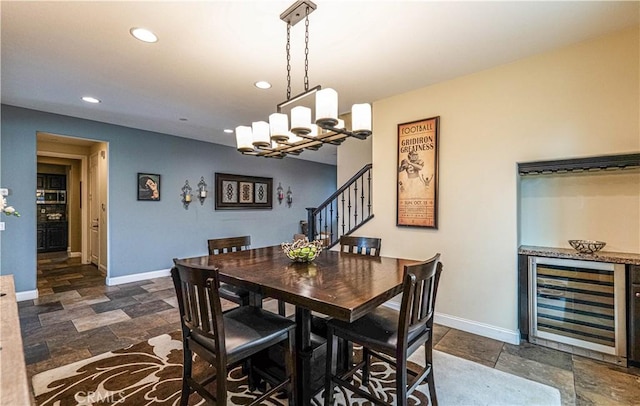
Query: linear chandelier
{"points": [[276, 139]]}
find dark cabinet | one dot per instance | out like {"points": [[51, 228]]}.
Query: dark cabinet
{"points": [[523, 296], [633, 307], [52, 237], [57, 237], [53, 234], [51, 181], [57, 182], [41, 239]]}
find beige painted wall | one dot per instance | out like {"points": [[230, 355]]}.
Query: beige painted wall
{"points": [[578, 101], [352, 155]]}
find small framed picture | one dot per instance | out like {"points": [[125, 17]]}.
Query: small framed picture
{"points": [[148, 186]]}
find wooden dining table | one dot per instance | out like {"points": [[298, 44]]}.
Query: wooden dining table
{"points": [[339, 285]]}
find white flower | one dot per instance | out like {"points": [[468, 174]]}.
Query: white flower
{"points": [[8, 210]]}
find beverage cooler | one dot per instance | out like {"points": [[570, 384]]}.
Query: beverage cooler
{"points": [[578, 303]]}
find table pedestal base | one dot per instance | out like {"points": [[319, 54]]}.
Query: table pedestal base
{"points": [[310, 359]]}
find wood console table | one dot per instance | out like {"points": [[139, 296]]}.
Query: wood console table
{"points": [[14, 386]]}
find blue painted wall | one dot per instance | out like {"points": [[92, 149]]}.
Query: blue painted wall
{"points": [[145, 236]]}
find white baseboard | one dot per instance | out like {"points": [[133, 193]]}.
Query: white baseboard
{"points": [[470, 326], [75, 254], [485, 330], [119, 280], [26, 295], [33, 294]]}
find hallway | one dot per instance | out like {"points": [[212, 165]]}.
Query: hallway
{"points": [[57, 273]]}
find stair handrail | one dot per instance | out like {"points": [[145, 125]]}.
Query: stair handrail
{"points": [[312, 212], [345, 186]]}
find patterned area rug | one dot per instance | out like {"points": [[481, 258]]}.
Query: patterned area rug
{"points": [[150, 373]]}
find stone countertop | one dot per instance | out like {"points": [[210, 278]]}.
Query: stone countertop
{"points": [[570, 253]]}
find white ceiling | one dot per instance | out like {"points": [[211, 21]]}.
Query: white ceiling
{"points": [[210, 53]]}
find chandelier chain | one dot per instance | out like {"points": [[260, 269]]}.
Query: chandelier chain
{"points": [[306, 51], [288, 61]]}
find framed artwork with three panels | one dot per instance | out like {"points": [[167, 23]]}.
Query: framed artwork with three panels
{"points": [[243, 192]]}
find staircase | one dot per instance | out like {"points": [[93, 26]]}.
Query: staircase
{"points": [[343, 212]]}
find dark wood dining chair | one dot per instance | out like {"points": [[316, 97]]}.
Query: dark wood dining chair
{"points": [[229, 244], [356, 245], [227, 339], [234, 293], [360, 245], [391, 336]]}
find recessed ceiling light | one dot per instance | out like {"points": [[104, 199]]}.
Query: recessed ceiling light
{"points": [[262, 84], [90, 99], [228, 131], [144, 35], [183, 119]]}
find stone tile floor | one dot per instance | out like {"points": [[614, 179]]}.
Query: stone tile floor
{"points": [[77, 316]]}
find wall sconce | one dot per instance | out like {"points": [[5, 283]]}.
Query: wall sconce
{"points": [[280, 193], [289, 196], [202, 190], [186, 194]]}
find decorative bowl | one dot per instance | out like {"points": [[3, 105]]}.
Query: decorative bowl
{"points": [[302, 250], [587, 246]]}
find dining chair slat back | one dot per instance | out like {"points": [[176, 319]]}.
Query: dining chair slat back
{"points": [[361, 245], [230, 244]]}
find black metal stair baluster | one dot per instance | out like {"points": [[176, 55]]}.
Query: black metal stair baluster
{"points": [[362, 196], [343, 214], [332, 219], [355, 206], [349, 206], [369, 188], [337, 223], [326, 225]]}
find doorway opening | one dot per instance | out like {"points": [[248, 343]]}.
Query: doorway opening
{"points": [[72, 228]]}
